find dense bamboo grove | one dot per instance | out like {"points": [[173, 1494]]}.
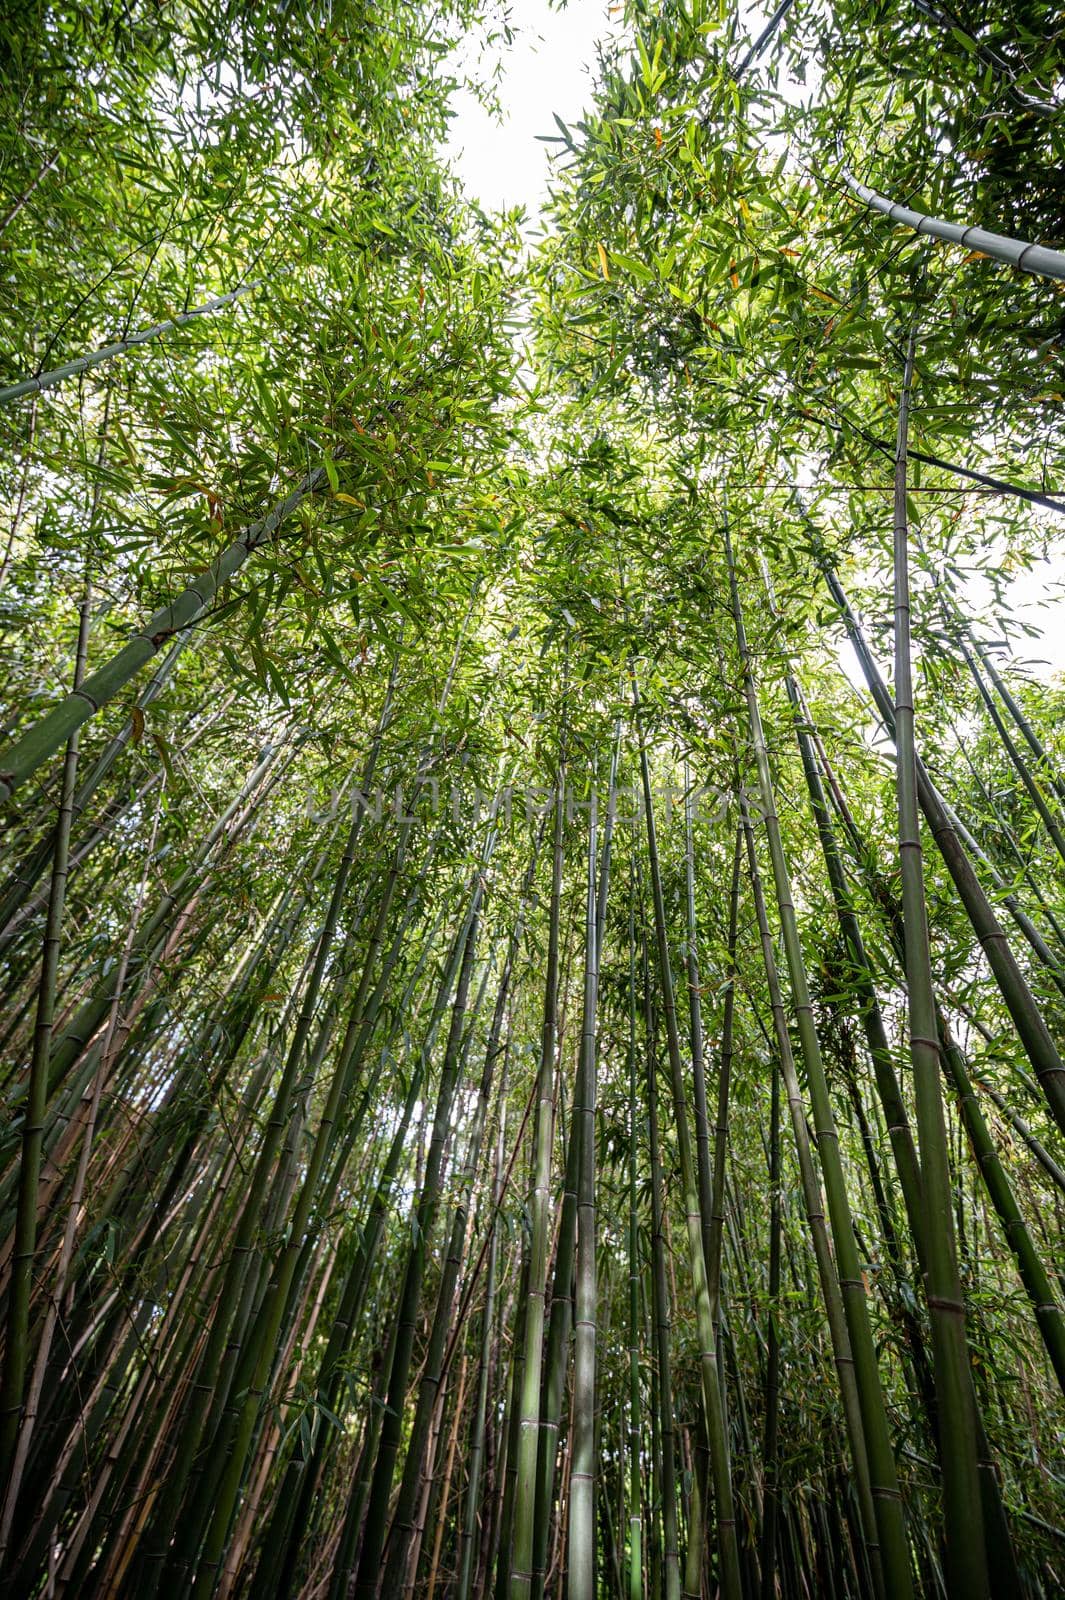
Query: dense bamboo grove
{"points": [[533, 900]]}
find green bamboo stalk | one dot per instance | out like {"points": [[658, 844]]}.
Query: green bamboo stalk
{"points": [[1017, 761], [1037, 1284], [695, 1021], [556, 1357], [717, 1198], [863, 971], [469, 1547], [1031, 738], [22, 758], [120, 347], [581, 1567], [892, 1540], [860, 974], [58, 1288], [711, 1176], [560, 1320], [1037, 258], [24, 876], [507, 1470], [811, 1192], [1054, 1172], [185, 1116], [89, 1017], [654, 1465], [526, 1401], [344, 1555], [963, 1517], [1033, 1275], [375, 1528], [635, 1571], [724, 1512], [944, 828], [16, 1346], [755, 49], [244, 1256], [695, 1551], [1002, 1562], [238, 1422], [402, 1530], [303, 1477], [664, 1410], [1054, 965], [767, 1550], [892, 1543]]}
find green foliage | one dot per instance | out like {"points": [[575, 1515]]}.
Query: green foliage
{"points": [[520, 459]]}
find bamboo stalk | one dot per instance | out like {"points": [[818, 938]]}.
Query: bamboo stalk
{"points": [[892, 1545], [120, 347], [717, 1441], [1037, 258], [664, 1409], [966, 1558], [16, 1347], [526, 1400], [581, 1582]]}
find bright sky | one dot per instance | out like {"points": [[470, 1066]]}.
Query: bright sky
{"points": [[547, 69]]}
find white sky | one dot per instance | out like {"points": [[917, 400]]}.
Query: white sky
{"points": [[547, 69]]}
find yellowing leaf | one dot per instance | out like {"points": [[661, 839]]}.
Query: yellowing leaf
{"points": [[604, 263]]}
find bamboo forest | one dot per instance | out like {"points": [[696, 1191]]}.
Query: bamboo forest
{"points": [[532, 784]]}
